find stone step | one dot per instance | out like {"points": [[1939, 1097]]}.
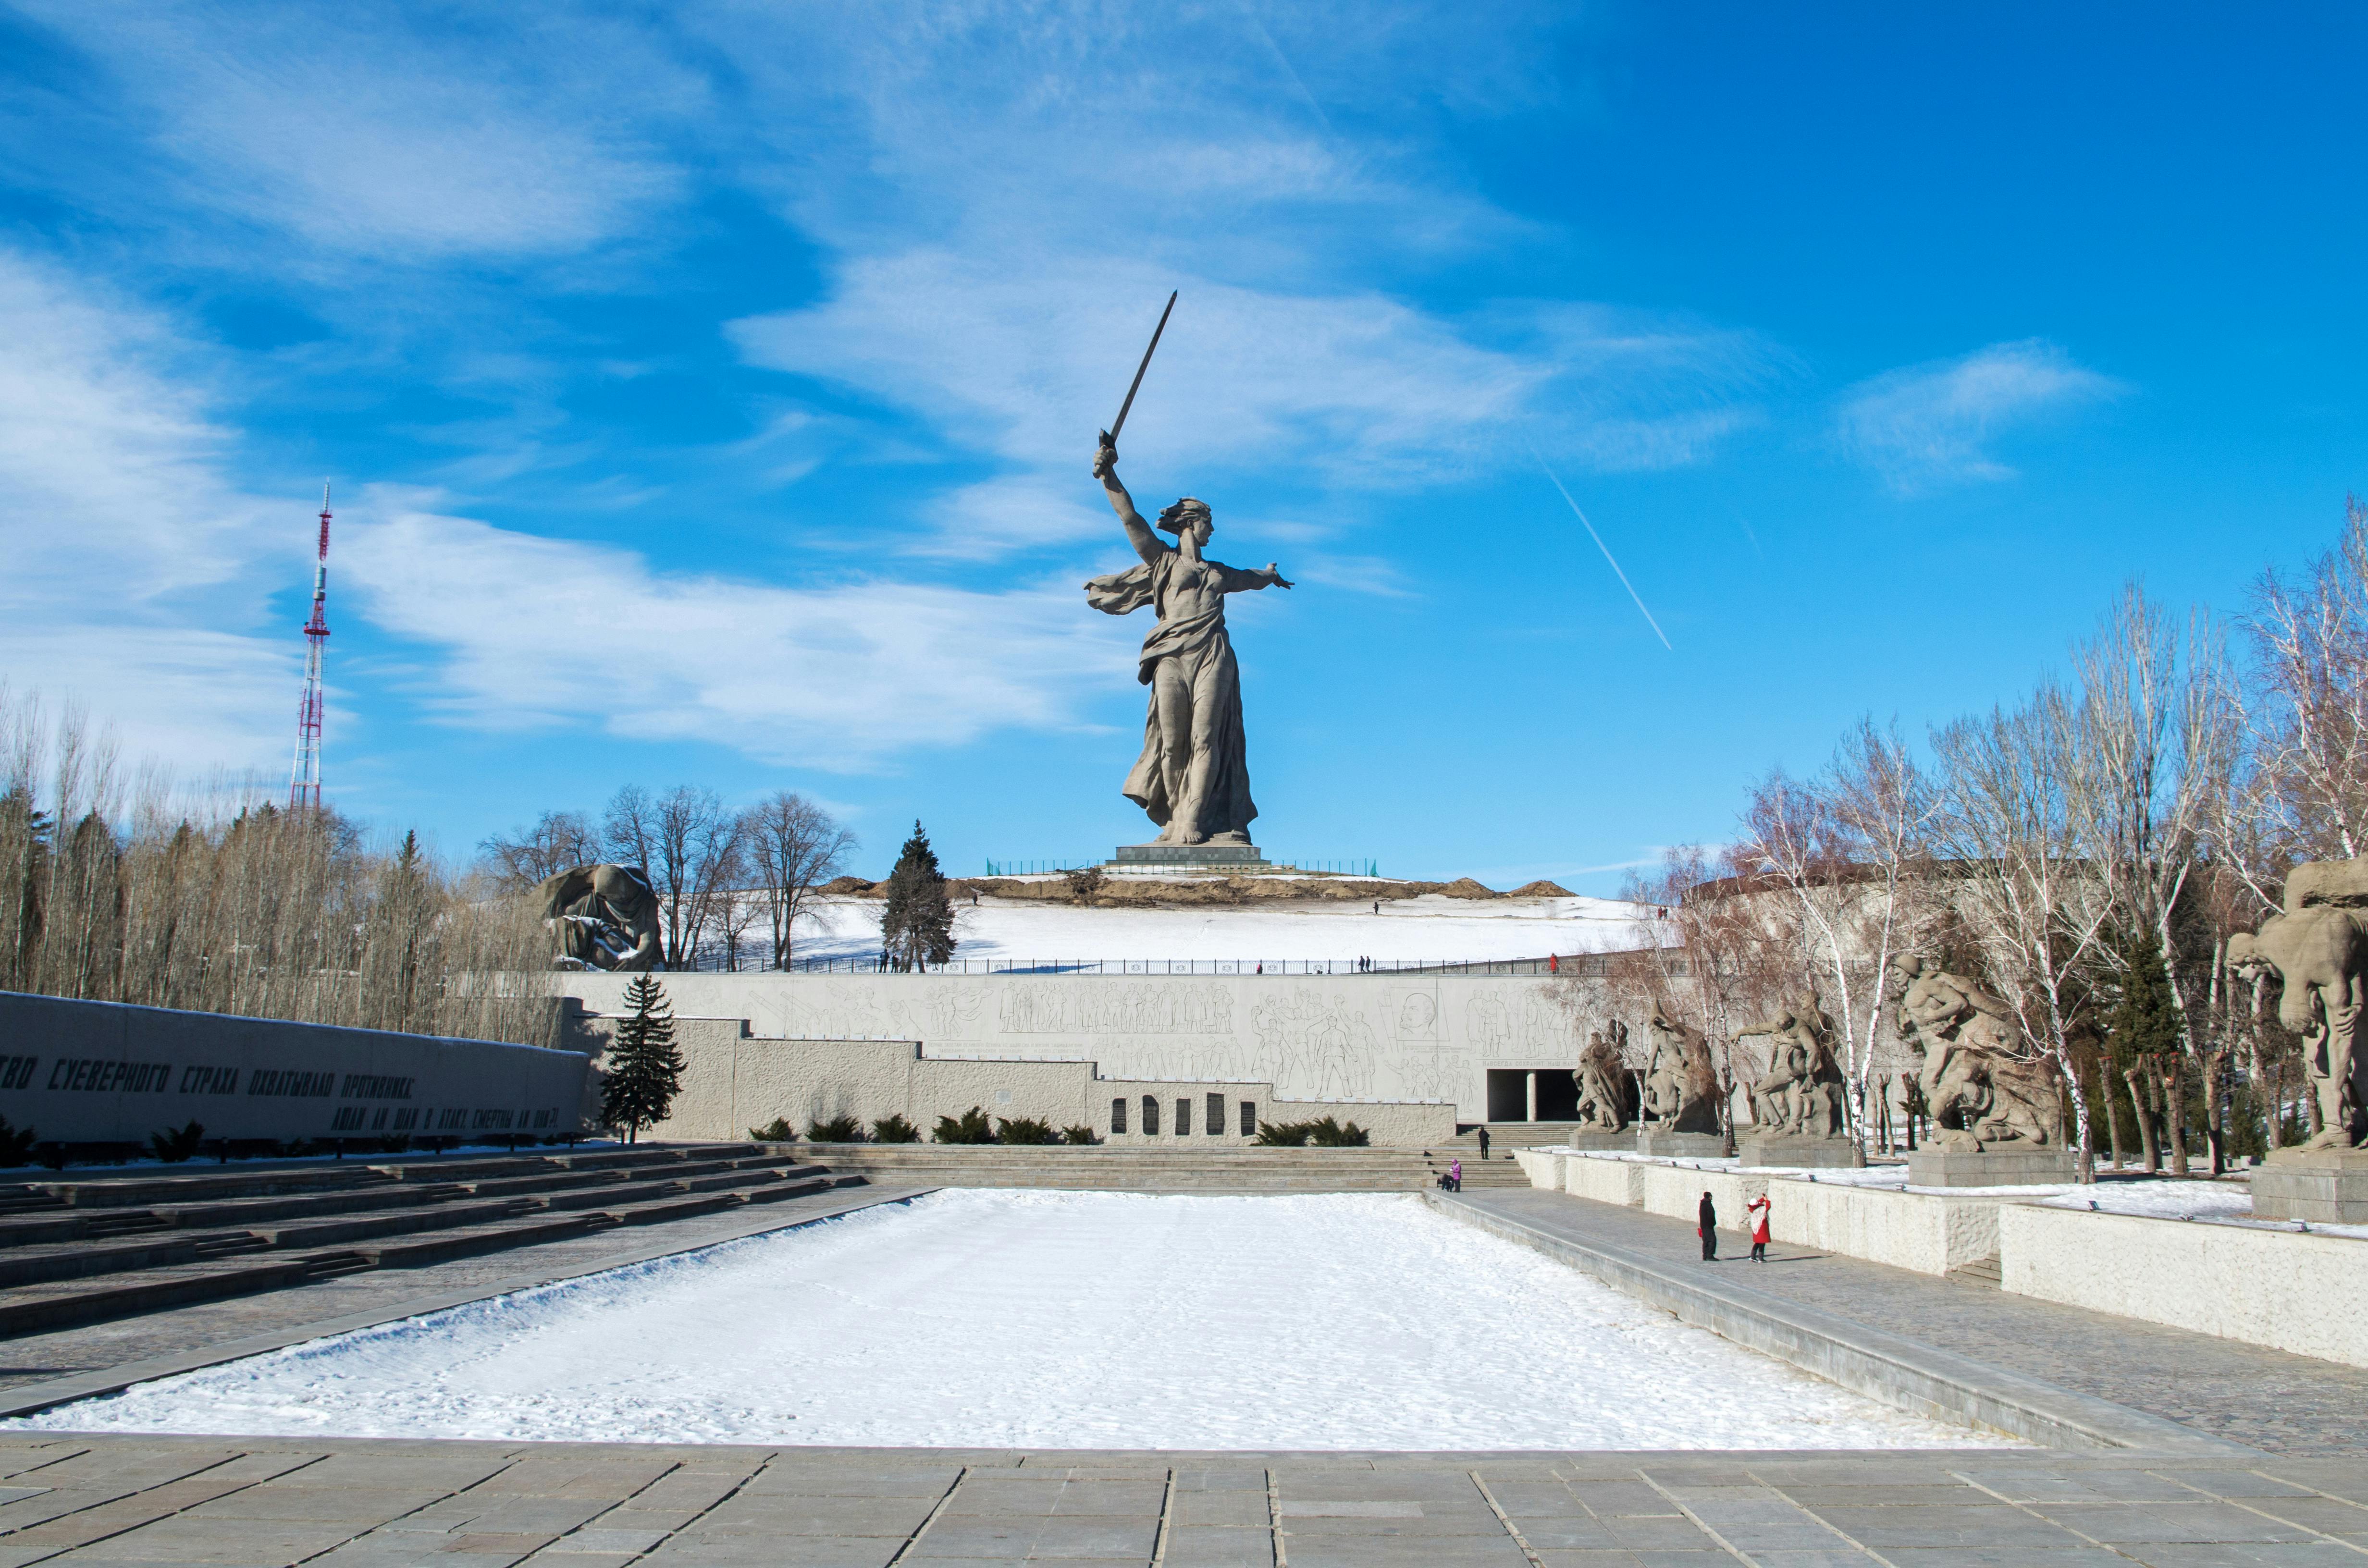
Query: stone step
{"points": [[471, 1240], [402, 1221], [1981, 1274], [148, 1191]]}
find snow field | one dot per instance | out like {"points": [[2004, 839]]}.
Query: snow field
{"points": [[1433, 927], [1051, 1319]]}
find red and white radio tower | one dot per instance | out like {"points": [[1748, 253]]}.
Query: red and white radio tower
{"points": [[305, 781]]}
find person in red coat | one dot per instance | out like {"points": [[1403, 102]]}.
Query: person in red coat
{"points": [[1759, 1212]]}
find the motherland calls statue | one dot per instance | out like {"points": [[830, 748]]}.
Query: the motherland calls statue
{"points": [[607, 917], [1681, 1083], [1982, 1089], [1801, 1096], [1193, 777], [2318, 947], [1606, 1096]]}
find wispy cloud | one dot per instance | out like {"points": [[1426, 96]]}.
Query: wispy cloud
{"points": [[1931, 425], [552, 632], [129, 582]]}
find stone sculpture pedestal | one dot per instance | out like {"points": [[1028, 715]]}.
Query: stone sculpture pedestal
{"points": [[1593, 1140], [1992, 1167], [1690, 1145], [1197, 857], [2319, 1187], [1816, 1154]]}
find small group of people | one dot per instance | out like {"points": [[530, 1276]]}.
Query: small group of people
{"points": [[1756, 1214], [1454, 1180]]}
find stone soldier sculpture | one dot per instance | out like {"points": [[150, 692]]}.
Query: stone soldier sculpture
{"points": [[1980, 1087], [1606, 1094], [606, 916], [1680, 1089], [1801, 1096], [1193, 777], [2319, 949]]}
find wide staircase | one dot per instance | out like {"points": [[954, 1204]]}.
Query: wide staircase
{"points": [[1500, 1169], [75, 1250], [1133, 1168]]}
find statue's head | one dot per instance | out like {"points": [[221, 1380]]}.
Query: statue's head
{"points": [[1188, 516]]}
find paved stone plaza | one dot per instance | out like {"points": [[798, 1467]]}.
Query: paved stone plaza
{"points": [[148, 1501], [2288, 1483]]}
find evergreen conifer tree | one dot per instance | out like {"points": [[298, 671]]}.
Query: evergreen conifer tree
{"points": [[917, 926], [644, 1066]]}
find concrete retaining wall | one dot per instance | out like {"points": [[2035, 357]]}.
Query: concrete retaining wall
{"points": [[734, 1081], [1344, 1037], [2293, 1292], [1677, 1191], [1928, 1234], [1543, 1170], [1605, 1181], [105, 1072]]}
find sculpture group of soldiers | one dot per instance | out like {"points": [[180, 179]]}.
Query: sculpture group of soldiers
{"points": [[1980, 1087]]}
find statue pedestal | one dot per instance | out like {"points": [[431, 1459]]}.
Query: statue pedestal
{"points": [[1599, 1139], [1816, 1154], [2000, 1168], [1191, 857], [1690, 1145], [2319, 1187]]}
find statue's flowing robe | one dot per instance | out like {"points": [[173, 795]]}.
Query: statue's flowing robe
{"points": [[1204, 655]]}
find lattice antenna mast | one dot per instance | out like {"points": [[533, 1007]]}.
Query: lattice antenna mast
{"points": [[304, 779]]}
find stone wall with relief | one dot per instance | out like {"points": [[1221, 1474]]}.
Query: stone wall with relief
{"points": [[1311, 1037]]}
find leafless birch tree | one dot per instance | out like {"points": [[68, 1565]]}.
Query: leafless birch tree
{"points": [[794, 847]]}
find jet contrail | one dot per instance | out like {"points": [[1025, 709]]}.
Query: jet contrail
{"points": [[1606, 549]]}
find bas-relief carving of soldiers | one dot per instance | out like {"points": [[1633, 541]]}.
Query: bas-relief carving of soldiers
{"points": [[1980, 1086], [1801, 1096], [2319, 950], [605, 918], [1606, 1093], [1680, 1089]]}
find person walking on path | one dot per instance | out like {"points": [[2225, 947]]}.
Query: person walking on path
{"points": [[1759, 1212], [1709, 1230], [1455, 1175], [1484, 1142]]}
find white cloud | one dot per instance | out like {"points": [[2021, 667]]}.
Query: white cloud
{"points": [[538, 631], [1026, 358], [129, 582], [356, 128], [1931, 425]]}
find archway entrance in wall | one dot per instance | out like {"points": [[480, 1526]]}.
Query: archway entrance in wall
{"points": [[1532, 1094]]}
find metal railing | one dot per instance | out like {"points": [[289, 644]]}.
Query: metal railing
{"points": [[1592, 965], [1366, 868]]}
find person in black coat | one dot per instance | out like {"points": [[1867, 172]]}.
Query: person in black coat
{"points": [[1484, 1142], [1709, 1230]]}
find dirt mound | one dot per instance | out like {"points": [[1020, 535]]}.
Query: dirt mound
{"points": [[841, 885], [1464, 887], [1541, 889]]}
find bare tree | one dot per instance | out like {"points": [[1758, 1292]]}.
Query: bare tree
{"points": [[2038, 910], [695, 866], [794, 847], [1848, 852], [2310, 644], [557, 842], [630, 827]]}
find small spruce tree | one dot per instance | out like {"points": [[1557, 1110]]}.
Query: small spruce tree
{"points": [[917, 926], [645, 1067]]}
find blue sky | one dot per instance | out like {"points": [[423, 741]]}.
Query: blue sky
{"points": [[709, 390]]}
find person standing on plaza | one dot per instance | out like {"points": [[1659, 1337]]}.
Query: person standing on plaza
{"points": [[1455, 1175], [1484, 1142], [1709, 1230], [1758, 1211]]}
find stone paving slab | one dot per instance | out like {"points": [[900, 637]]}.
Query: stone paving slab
{"points": [[124, 1500], [2224, 1389]]}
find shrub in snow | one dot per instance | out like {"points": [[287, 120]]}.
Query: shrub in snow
{"points": [[971, 1128], [776, 1131], [1079, 1135], [837, 1129], [1025, 1130], [895, 1130], [1324, 1132]]}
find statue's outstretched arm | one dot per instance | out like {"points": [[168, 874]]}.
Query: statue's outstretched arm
{"points": [[1149, 545]]}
